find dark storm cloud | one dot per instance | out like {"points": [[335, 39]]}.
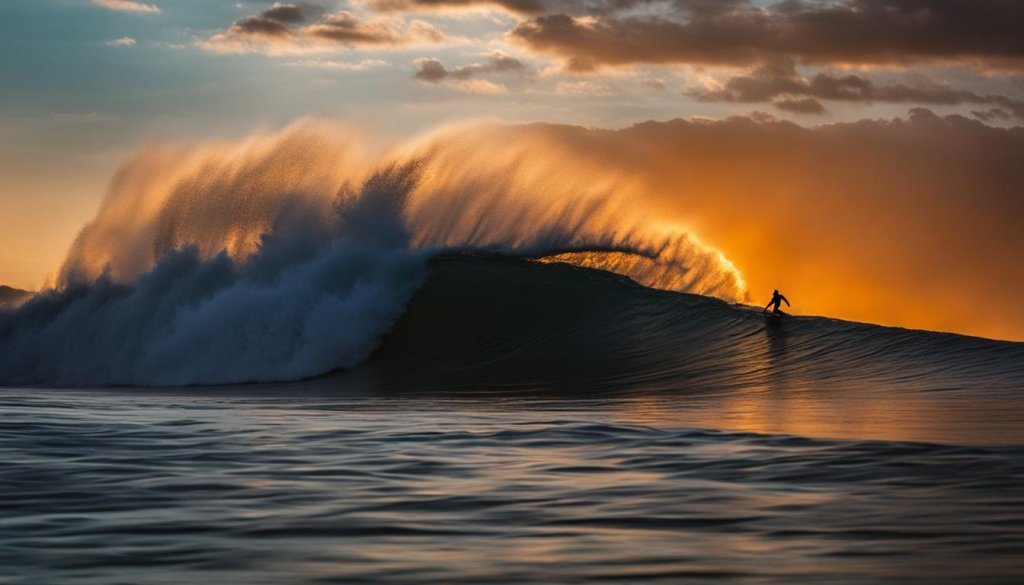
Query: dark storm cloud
{"points": [[780, 81], [981, 32]]}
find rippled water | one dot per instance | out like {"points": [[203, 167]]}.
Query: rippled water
{"points": [[145, 487]]}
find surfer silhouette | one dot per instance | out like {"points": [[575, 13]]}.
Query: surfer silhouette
{"points": [[777, 301]]}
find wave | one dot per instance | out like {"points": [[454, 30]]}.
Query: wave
{"points": [[473, 321], [470, 257], [288, 255], [11, 297], [493, 322]]}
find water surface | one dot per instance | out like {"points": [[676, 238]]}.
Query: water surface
{"points": [[289, 485]]}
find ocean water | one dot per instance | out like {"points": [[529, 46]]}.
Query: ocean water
{"points": [[288, 487], [533, 423]]}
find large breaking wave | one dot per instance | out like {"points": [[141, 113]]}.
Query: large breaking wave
{"points": [[287, 255], [497, 324]]}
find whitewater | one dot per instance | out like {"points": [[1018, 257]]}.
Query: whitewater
{"points": [[288, 255]]}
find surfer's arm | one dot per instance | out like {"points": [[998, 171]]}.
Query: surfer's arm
{"points": [[785, 299]]}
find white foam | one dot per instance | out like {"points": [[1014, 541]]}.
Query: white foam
{"points": [[288, 255]]}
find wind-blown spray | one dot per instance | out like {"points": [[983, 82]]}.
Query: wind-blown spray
{"points": [[287, 255]]}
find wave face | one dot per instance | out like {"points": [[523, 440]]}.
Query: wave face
{"points": [[497, 323], [288, 255]]}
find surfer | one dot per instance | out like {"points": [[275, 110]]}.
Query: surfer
{"points": [[777, 301]]}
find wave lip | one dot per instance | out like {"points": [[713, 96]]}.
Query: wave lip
{"points": [[11, 297]]}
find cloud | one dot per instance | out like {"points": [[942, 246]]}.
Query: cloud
{"points": [[434, 71], [346, 28], [290, 13], [128, 6], [468, 78], [304, 28], [991, 115], [338, 65], [121, 42], [800, 105], [514, 6], [538, 7], [984, 33], [274, 23], [430, 70], [779, 81]]}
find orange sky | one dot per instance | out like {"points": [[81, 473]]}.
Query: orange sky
{"points": [[912, 222]]}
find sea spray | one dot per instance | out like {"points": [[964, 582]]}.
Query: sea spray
{"points": [[287, 255], [307, 301], [481, 186]]}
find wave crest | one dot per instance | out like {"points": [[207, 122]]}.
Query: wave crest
{"points": [[288, 254]]}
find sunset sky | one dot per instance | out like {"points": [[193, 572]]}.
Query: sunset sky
{"points": [[865, 156]]}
